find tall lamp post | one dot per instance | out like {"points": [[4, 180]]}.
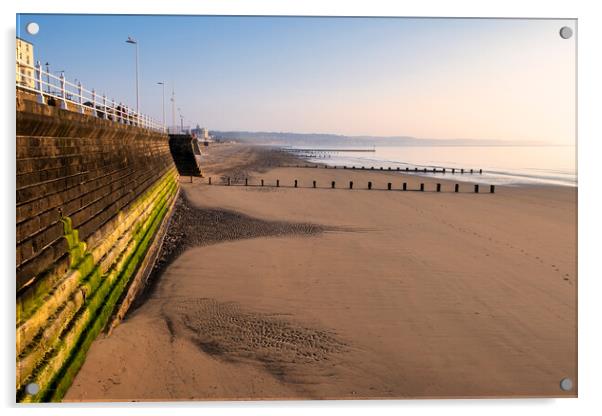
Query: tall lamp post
{"points": [[162, 84], [173, 108], [181, 121], [133, 41]]}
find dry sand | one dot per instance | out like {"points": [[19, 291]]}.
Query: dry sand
{"points": [[389, 294]]}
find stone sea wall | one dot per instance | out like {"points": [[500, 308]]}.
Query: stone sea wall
{"points": [[91, 197]]}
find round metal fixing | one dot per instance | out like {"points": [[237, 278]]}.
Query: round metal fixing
{"points": [[566, 384], [32, 28], [32, 389], [566, 32]]}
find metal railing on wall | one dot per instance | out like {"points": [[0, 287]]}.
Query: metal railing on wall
{"points": [[52, 89]]}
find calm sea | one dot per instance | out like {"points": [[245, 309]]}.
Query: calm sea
{"points": [[507, 165]]}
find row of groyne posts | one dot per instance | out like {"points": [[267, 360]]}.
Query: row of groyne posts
{"points": [[404, 187]]}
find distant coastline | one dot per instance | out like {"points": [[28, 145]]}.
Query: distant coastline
{"points": [[325, 139]]}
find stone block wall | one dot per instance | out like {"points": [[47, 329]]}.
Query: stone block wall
{"points": [[91, 195]]}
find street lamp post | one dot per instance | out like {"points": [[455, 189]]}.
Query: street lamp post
{"points": [[163, 102], [173, 108], [181, 121], [133, 41]]}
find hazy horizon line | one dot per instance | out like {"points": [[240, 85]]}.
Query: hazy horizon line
{"points": [[514, 142]]}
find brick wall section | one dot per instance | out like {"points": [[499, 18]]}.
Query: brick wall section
{"points": [[82, 166]]}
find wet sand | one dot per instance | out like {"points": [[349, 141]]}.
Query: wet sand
{"points": [[390, 295]]}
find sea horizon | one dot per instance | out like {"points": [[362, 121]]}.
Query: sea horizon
{"points": [[511, 165]]}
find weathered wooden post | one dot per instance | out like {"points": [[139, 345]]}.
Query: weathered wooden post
{"points": [[424, 170], [277, 183], [314, 184], [405, 186], [476, 188], [471, 171], [262, 182], [344, 166], [350, 184], [415, 169], [390, 168], [421, 187], [453, 171], [457, 188], [381, 168], [190, 178], [295, 183], [228, 181], [492, 189], [443, 170], [209, 180], [246, 181], [372, 168], [335, 166], [362, 168], [434, 170], [369, 185], [353, 167], [389, 186], [332, 184], [462, 170], [480, 171]]}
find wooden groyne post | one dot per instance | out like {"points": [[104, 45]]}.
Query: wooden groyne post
{"points": [[350, 184], [314, 183], [438, 187], [421, 187], [476, 188], [457, 187], [209, 180], [369, 185], [295, 183]]}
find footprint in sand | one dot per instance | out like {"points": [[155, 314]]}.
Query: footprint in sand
{"points": [[283, 347]]}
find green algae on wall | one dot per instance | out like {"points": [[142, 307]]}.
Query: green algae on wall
{"points": [[98, 293]]}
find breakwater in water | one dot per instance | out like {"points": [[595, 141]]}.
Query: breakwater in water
{"points": [[92, 199]]}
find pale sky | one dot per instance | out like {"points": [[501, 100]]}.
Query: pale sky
{"points": [[432, 78]]}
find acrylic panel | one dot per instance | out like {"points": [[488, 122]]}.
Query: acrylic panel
{"points": [[276, 208]]}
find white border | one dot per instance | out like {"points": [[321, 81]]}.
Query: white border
{"points": [[590, 233]]}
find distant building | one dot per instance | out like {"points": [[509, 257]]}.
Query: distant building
{"points": [[201, 133], [25, 68]]}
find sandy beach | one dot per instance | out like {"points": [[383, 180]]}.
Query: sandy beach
{"points": [[284, 293]]}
